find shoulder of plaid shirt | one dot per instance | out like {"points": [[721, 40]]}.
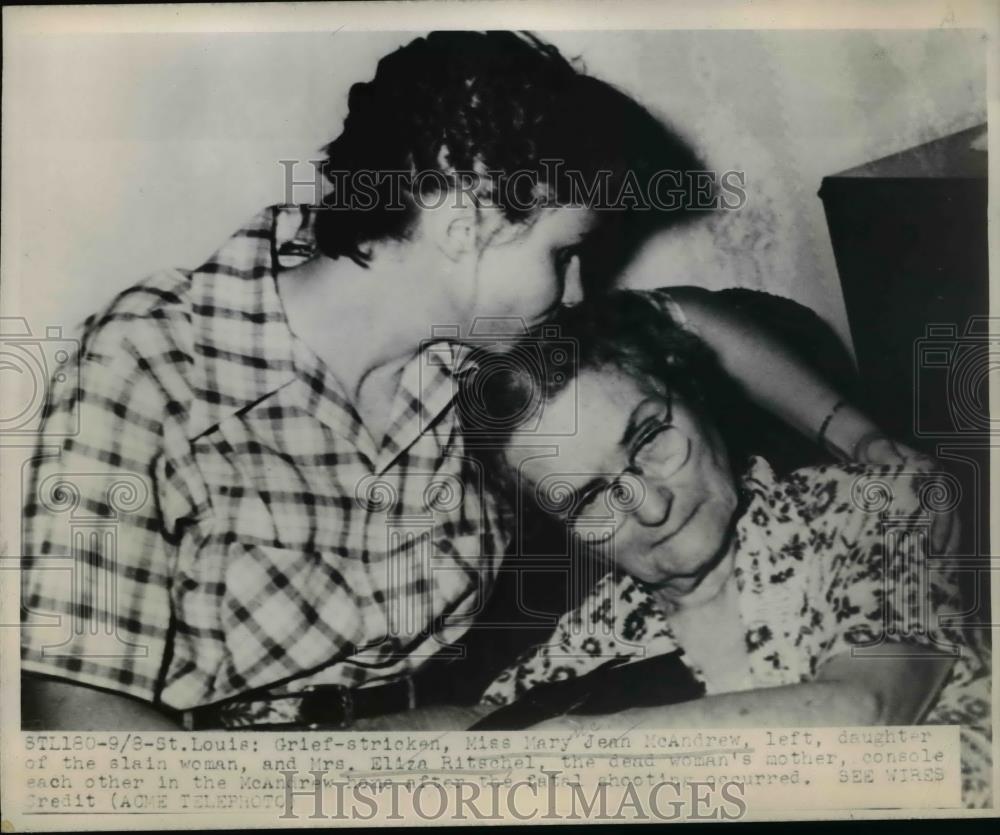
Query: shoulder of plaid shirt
{"points": [[199, 469], [206, 515]]}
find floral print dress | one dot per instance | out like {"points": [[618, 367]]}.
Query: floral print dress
{"points": [[828, 560]]}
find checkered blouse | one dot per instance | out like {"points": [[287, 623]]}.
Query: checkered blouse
{"points": [[208, 515]]}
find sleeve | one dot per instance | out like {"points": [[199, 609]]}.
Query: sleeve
{"points": [[879, 581], [95, 575]]}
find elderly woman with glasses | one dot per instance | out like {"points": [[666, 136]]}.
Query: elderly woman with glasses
{"points": [[766, 590]]}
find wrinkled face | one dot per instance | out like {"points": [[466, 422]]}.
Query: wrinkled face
{"points": [[643, 466], [526, 270]]}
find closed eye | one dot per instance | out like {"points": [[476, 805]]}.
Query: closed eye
{"points": [[648, 435], [585, 503], [661, 452]]}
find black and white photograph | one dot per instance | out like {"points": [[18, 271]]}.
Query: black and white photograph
{"points": [[436, 400]]}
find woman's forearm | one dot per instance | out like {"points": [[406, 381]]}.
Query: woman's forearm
{"points": [[49, 705], [770, 374], [895, 689], [813, 703]]}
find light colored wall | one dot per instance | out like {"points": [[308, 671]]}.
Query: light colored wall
{"points": [[789, 108], [128, 153]]}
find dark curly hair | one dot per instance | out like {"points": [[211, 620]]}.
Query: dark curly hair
{"points": [[505, 393], [498, 102]]}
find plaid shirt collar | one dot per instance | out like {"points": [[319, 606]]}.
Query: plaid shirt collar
{"points": [[247, 351]]}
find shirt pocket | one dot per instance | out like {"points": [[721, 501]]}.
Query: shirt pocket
{"points": [[286, 611]]}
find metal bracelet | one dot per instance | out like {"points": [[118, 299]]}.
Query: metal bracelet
{"points": [[821, 435]]}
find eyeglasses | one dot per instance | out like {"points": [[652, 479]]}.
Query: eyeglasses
{"points": [[658, 451]]}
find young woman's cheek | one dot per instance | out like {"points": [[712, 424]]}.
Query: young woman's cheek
{"points": [[540, 283], [519, 286]]}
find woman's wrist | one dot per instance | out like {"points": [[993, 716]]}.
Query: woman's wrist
{"points": [[845, 432], [848, 434]]}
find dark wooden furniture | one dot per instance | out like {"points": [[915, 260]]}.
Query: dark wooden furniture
{"points": [[910, 239]]}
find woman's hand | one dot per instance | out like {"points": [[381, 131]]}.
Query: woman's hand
{"points": [[850, 435], [875, 449], [879, 450]]}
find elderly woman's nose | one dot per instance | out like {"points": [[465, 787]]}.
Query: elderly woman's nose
{"points": [[655, 506]]}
